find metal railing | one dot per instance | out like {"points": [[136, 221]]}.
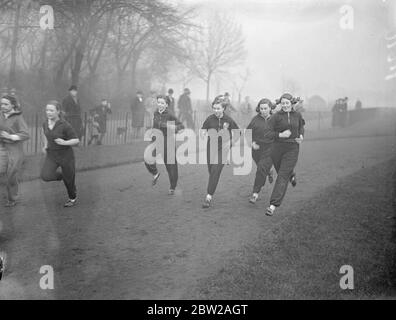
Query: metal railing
{"points": [[119, 126]]}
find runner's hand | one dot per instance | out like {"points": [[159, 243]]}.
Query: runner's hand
{"points": [[285, 134], [255, 146], [300, 140]]}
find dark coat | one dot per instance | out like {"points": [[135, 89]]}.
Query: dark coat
{"points": [[171, 104], [138, 112], [73, 114], [184, 104]]}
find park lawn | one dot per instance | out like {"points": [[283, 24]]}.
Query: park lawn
{"points": [[350, 223]]}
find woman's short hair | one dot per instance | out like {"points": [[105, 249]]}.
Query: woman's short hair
{"points": [[264, 101], [58, 107], [220, 99], [56, 104], [161, 96], [287, 96], [12, 100]]}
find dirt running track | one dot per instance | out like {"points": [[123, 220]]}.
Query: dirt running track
{"points": [[128, 240]]}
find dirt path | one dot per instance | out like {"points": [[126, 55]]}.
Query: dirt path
{"points": [[126, 240]]}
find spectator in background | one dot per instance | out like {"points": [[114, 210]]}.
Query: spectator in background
{"points": [[336, 113], [171, 101], [102, 111], [185, 109], [246, 106], [72, 109], [138, 112], [344, 112], [230, 108], [150, 105], [93, 127], [358, 104]]}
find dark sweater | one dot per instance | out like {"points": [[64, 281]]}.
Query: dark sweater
{"points": [[262, 130], [62, 129], [292, 120], [161, 120], [225, 122]]}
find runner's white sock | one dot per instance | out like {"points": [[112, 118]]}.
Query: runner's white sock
{"points": [[209, 197], [255, 195], [272, 207]]}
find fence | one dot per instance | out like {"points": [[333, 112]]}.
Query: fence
{"points": [[119, 126]]}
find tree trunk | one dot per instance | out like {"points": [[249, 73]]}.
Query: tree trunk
{"points": [[14, 45], [43, 61], [208, 87]]}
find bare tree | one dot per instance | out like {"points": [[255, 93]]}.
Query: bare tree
{"points": [[218, 45]]}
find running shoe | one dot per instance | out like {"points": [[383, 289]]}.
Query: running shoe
{"points": [[253, 198], [206, 203], [70, 203], [171, 192], [155, 178], [270, 211], [293, 180]]}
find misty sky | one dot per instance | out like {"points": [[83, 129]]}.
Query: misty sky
{"points": [[302, 42]]}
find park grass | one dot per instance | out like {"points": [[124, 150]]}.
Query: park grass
{"points": [[350, 223]]}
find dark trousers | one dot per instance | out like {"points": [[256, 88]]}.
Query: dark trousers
{"points": [[171, 168], [214, 170], [284, 157], [66, 161], [263, 160], [214, 177]]}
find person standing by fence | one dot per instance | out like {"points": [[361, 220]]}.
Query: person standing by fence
{"points": [[138, 112], [171, 102], [13, 132], [185, 109], [102, 111], [72, 109], [59, 138]]}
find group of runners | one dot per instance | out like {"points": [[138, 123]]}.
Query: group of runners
{"points": [[277, 132]]}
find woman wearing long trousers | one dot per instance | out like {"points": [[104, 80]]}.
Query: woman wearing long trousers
{"points": [[289, 133], [262, 139], [13, 132], [164, 120], [59, 138], [217, 121]]}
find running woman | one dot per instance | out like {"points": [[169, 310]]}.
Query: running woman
{"points": [[164, 120], [59, 138], [13, 132], [289, 134], [217, 121], [262, 140]]}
